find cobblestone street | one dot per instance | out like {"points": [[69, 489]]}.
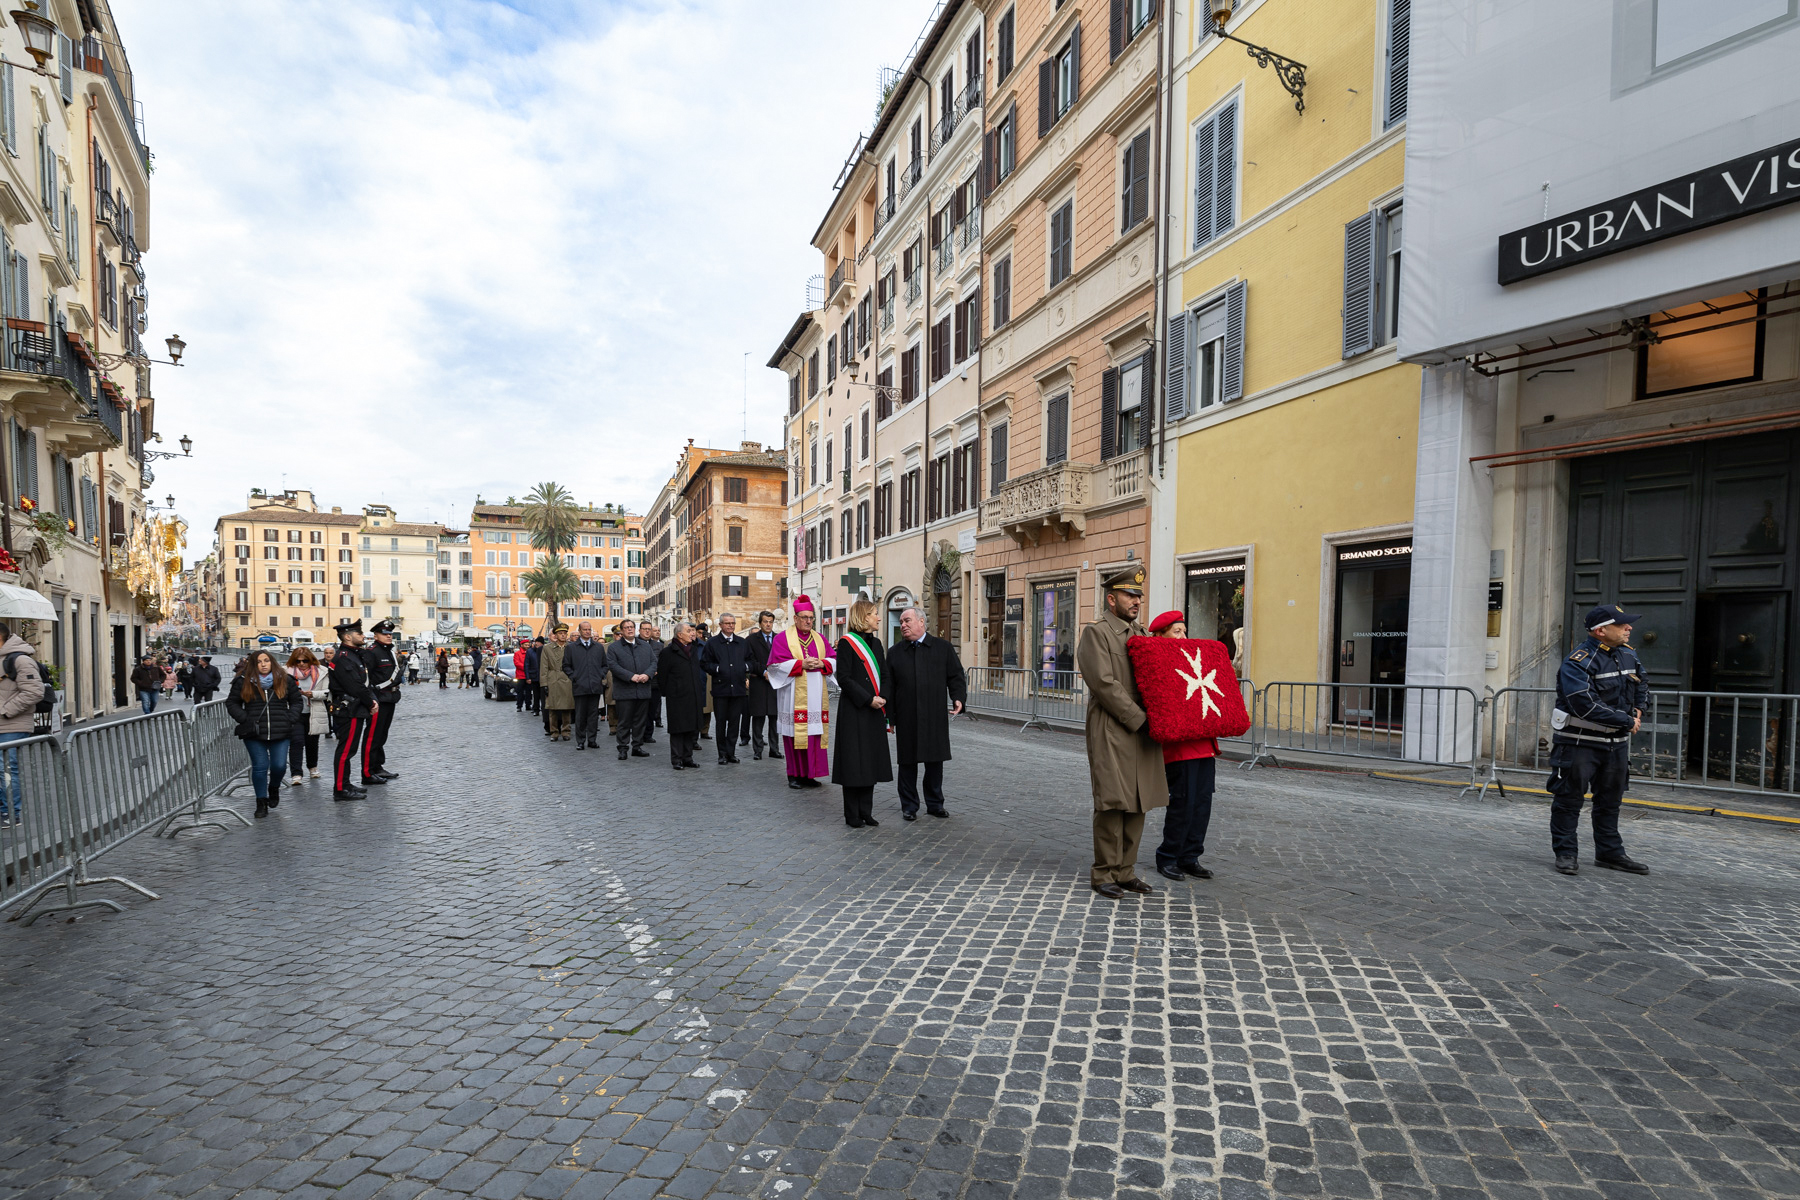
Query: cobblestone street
{"points": [[525, 971]]}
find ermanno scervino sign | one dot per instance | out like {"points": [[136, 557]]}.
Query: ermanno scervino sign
{"points": [[1722, 193]]}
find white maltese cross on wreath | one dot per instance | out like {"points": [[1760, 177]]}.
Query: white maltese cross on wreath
{"points": [[1188, 688]]}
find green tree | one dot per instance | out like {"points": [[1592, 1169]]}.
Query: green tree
{"points": [[552, 518]]}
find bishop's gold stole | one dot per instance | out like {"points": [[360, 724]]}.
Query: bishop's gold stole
{"points": [[801, 648]]}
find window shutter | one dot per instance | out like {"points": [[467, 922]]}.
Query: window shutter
{"points": [[1046, 94], [1225, 171], [9, 110], [31, 464], [1075, 66], [88, 504], [1399, 53], [1117, 25], [65, 61], [1148, 383], [1109, 413], [1234, 341], [1204, 141], [1359, 285], [987, 164], [1137, 182], [1176, 388], [997, 457], [1056, 437]]}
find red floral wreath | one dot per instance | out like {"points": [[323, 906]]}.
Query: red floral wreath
{"points": [[1188, 687]]}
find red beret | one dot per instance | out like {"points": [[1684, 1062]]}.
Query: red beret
{"points": [[1164, 620]]}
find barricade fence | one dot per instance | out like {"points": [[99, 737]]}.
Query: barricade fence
{"points": [[1438, 725], [71, 802]]}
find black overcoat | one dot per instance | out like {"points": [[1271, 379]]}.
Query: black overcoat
{"points": [[586, 667], [728, 662], [923, 678], [860, 756], [763, 702], [683, 686]]}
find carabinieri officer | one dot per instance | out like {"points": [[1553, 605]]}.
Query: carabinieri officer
{"points": [[352, 707], [384, 681], [1600, 701]]}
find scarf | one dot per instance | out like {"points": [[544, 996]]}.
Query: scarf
{"points": [[808, 647], [267, 681]]}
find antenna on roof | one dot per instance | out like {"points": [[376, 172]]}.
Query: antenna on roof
{"points": [[746, 395]]}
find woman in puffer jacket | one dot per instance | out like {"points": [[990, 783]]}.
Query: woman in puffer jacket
{"points": [[267, 706]]}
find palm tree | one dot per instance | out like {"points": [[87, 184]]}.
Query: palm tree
{"points": [[552, 518]]}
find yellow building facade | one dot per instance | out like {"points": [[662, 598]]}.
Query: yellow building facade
{"points": [[1282, 517]]}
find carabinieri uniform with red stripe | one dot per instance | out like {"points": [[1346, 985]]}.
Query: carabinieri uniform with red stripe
{"points": [[353, 705]]}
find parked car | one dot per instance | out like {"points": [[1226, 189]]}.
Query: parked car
{"points": [[498, 683]]}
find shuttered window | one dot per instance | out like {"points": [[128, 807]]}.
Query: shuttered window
{"points": [[1128, 18], [1134, 175], [1359, 286], [9, 110], [1003, 40], [1399, 50], [1215, 175], [1059, 82], [1062, 239], [997, 457], [1056, 429], [1002, 291], [90, 510]]}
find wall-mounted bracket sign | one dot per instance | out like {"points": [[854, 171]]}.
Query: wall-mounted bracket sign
{"points": [[1721, 193]]}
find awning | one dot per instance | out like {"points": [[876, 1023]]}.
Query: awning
{"points": [[23, 603]]}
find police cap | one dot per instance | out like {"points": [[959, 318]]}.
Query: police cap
{"points": [[387, 627], [1129, 579], [1609, 614], [347, 626]]}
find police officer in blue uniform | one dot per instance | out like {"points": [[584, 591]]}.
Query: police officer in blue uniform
{"points": [[1600, 701]]}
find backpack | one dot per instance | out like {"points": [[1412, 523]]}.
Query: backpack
{"points": [[48, 703]]}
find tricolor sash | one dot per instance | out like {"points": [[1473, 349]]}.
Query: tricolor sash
{"points": [[870, 663]]}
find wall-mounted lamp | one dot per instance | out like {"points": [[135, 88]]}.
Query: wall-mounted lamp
{"points": [[1291, 73]]}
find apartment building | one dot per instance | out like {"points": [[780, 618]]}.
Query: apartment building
{"points": [[609, 557], [399, 570], [74, 377], [1070, 245], [1286, 454], [659, 557], [731, 525], [289, 569]]}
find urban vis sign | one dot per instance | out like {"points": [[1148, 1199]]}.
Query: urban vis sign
{"points": [[1722, 193]]}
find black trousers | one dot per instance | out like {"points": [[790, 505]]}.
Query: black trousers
{"points": [[353, 730], [759, 731], [303, 752], [729, 711], [587, 720], [655, 709], [521, 695], [859, 804], [909, 787], [682, 747], [1575, 771], [634, 722], [1189, 811], [376, 759], [443, 678]]}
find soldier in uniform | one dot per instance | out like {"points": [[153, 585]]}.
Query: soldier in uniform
{"points": [[385, 676], [1600, 701], [352, 709], [1124, 764]]}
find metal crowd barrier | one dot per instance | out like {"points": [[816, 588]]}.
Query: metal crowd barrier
{"points": [[1438, 725], [218, 765], [80, 799], [1038, 697], [1741, 742]]}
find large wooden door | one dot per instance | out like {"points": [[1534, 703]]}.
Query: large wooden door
{"points": [[996, 616]]}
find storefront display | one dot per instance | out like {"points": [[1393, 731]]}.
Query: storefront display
{"points": [[1373, 586], [1053, 615], [1214, 606]]}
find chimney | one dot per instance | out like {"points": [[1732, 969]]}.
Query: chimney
{"points": [[337, 509], [752, 447]]}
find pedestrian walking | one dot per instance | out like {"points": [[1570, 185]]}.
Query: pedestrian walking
{"points": [[352, 713], [146, 679], [412, 665], [1124, 763], [1601, 696], [1189, 768], [584, 662], [632, 662], [384, 682], [206, 680], [651, 636], [184, 676], [559, 693], [701, 634], [521, 689], [726, 660], [763, 707], [800, 669], [265, 703], [534, 690], [859, 759], [443, 668], [927, 685], [314, 686], [21, 689], [683, 684], [168, 679]]}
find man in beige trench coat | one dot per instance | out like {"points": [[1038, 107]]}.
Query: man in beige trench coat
{"points": [[1125, 765]]}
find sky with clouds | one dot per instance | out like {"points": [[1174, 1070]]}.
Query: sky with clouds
{"points": [[422, 252]]}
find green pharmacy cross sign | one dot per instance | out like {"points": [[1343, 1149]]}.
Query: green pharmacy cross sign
{"points": [[854, 578]]}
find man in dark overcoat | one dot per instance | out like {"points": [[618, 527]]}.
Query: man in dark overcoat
{"points": [[726, 659], [632, 663], [927, 684], [584, 662], [683, 685], [764, 707]]}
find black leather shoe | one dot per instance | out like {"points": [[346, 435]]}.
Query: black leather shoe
{"points": [[1566, 864], [811, 783], [871, 821], [732, 759], [370, 779], [262, 808], [723, 761], [1169, 872], [387, 774], [943, 813], [340, 797], [1111, 891], [624, 754], [690, 764], [795, 784], [1138, 886], [1197, 871], [638, 754], [757, 756], [677, 766], [1623, 864], [906, 816], [854, 824]]}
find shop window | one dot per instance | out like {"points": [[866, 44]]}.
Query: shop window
{"points": [[1709, 345], [1053, 623], [1214, 608], [1374, 584]]}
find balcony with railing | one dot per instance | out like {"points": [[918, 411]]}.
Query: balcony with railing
{"points": [[970, 99], [1121, 478], [887, 315], [885, 210], [943, 131], [910, 177], [946, 254], [1045, 505], [106, 216], [969, 232], [915, 287], [92, 57], [75, 404], [843, 277]]}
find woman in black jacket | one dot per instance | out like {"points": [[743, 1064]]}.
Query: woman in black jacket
{"points": [[268, 708], [683, 686], [859, 760]]}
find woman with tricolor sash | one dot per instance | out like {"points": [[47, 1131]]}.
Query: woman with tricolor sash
{"points": [[860, 758]]}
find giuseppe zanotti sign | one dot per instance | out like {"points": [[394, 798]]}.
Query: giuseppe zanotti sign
{"points": [[1722, 193]]}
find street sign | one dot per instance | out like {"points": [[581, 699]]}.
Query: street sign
{"points": [[268, 639], [853, 578]]}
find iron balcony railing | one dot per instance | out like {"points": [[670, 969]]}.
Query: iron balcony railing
{"points": [[909, 179], [970, 229], [943, 131], [127, 115], [887, 315], [845, 273], [914, 287], [32, 348], [946, 254], [884, 211], [971, 96]]}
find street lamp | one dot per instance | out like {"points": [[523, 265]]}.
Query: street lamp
{"points": [[39, 31], [176, 348], [1292, 73], [187, 446]]}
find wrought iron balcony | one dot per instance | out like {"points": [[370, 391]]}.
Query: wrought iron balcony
{"points": [[82, 402], [971, 96], [914, 288], [909, 178], [943, 131], [946, 253], [885, 210], [970, 229], [887, 315], [844, 276]]}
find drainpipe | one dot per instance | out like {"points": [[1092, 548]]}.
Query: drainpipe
{"points": [[1159, 321], [928, 586]]}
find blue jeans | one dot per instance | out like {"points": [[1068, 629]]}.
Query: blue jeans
{"points": [[148, 700], [266, 757], [9, 787]]}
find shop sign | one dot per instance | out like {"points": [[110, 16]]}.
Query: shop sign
{"points": [[1764, 180], [1206, 570], [1015, 608], [1357, 554]]}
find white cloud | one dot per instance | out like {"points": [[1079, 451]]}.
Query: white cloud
{"points": [[424, 251]]}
